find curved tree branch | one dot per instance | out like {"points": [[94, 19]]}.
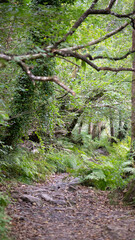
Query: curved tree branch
{"points": [[85, 59], [69, 53], [80, 20], [110, 58], [16, 58], [92, 11], [52, 51], [120, 69], [68, 61], [43, 78], [122, 15], [108, 35]]}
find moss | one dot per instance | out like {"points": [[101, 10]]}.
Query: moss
{"points": [[129, 196]]}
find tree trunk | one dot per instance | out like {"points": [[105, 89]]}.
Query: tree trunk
{"points": [[133, 95], [94, 131], [90, 128], [129, 196], [80, 111], [80, 127], [111, 128], [73, 123], [120, 130], [100, 128]]}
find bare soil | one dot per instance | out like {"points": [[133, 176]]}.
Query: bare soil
{"points": [[60, 209]]}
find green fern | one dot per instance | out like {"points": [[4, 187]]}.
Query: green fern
{"points": [[129, 170], [97, 174], [105, 171], [4, 219]]}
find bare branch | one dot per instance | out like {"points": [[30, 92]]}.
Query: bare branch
{"points": [[16, 58], [121, 69], [80, 20], [52, 51], [75, 55], [58, 98], [43, 78], [106, 105], [91, 11], [111, 3], [94, 3], [108, 35], [122, 15], [110, 58], [63, 53], [84, 58], [69, 61], [5, 57]]}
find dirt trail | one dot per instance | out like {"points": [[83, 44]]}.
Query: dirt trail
{"points": [[62, 210]]}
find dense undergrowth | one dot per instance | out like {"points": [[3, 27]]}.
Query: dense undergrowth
{"points": [[96, 163], [103, 169]]}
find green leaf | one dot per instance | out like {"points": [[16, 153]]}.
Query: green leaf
{"points": [[76, 59], [129, 170], [97, 174], [83, 64], [127, 163]]}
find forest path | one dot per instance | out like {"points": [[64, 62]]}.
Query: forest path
{"points": [[62, 210]]}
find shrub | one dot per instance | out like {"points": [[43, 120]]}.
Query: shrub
{"points": [[24, 166], [106, 171], [4, 219]]}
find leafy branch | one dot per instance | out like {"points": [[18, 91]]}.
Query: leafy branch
{"points": [[99, 40], [52, 51]]}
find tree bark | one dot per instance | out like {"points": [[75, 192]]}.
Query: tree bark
{"points": [[94, 131], [111, 128], [80, 127], [120, 130], [133, 95], [90, 128]]}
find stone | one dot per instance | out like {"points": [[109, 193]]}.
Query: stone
{"points": [[31, 199]]}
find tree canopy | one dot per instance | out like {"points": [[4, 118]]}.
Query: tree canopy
{"points": [[65, 63], [66, 43], [88, 42]]}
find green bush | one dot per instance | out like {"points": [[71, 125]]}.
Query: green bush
{"points": [[4, 219], [62, 161], [106, 171], [24, 166]]}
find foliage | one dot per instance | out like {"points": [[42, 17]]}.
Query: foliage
{"points": [[21, 110], [33, 27], [105, 171], [4, 219], [38, 32], [63, 160], [53, 2], [24, 166]]}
